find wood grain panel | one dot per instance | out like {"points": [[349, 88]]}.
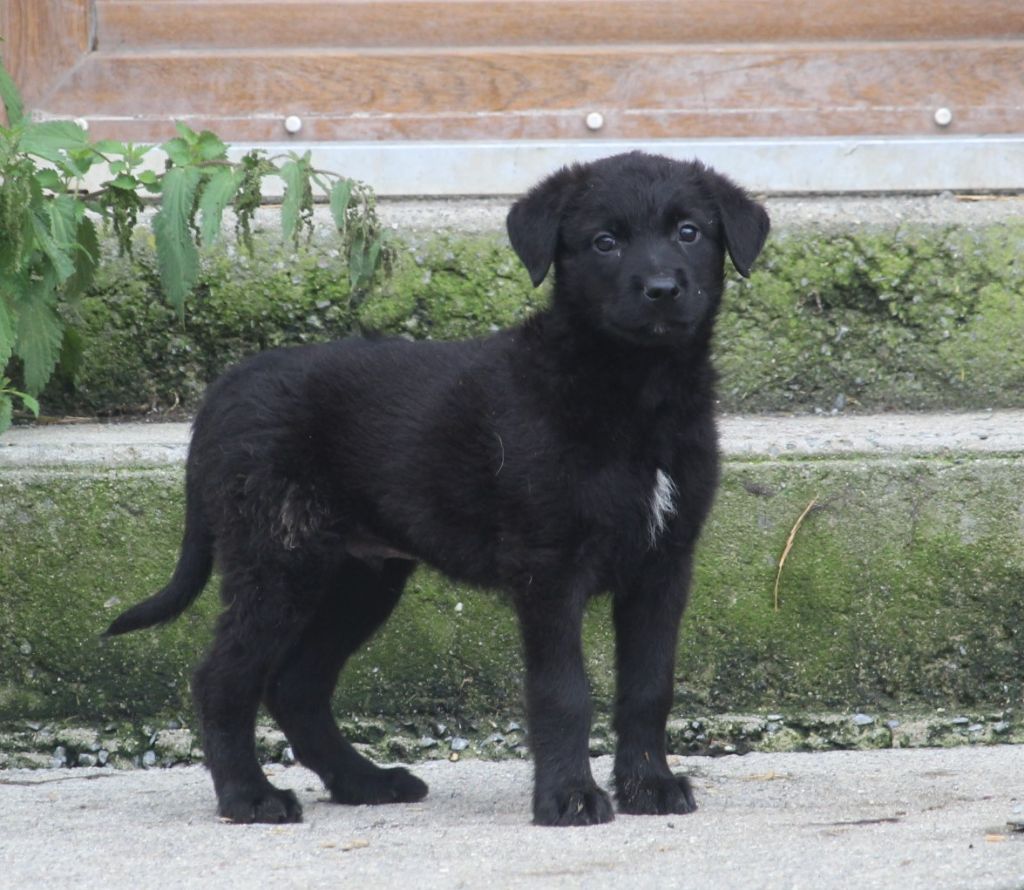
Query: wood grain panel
{"points": [[43, 40], [254, 24], [646, 92]]}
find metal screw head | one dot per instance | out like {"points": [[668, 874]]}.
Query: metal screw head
{"points": [[293, 123], [943, 117], [595, 120]]}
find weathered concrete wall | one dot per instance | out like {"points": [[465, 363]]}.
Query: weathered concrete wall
{"points": [[901, 595], [901, 591]]}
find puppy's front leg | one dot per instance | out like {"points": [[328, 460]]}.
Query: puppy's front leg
{"points": [[558, 711], [646, 630]]}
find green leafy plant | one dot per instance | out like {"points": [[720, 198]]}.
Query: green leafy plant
{"points": [[50, 245]]}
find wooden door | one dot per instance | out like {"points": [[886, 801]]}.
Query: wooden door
{"points": [[535, 69]]}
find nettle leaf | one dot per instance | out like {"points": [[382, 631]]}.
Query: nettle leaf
{"points": [[65, 211], [11, 97], [123, 181], [50, 179], [40, 331], [150, 180], [53, 140], [209, 147], [87, 257], [219, 190], [178, 150], [295, 174], [341, 194], [187, 134], [8, 332], [372, 256], [109, 147], [29, 402], [356, 260], [58, 255], [177, 255], [6, 408]]}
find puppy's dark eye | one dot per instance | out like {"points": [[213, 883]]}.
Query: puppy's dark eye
{"points": [[689, 233], [605, 243]]}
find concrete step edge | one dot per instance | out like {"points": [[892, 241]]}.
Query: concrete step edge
{"points": [[767, 436]]}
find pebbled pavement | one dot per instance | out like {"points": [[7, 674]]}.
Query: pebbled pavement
{"points": [[922, 819]]}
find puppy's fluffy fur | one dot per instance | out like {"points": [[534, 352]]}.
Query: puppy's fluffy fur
{"points": [[568, 456]]}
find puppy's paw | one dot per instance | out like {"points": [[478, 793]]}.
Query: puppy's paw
{"points": [[581, 805], [654, 795], [396, 785], [266, 804]]}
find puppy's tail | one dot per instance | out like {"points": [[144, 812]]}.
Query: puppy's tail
{"points": [[190, 576]]}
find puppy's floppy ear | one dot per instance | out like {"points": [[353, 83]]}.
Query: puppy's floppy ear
{"points": [[745, 223], [534, 219]]}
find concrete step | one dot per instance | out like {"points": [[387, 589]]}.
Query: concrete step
{"points": [[901, 591]]}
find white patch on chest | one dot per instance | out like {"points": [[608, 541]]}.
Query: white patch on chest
{"points": [[663, 505]]}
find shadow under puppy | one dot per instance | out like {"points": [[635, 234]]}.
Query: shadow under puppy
{"points": [[571, 455]]}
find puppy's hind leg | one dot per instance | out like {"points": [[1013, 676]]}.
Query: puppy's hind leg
{"points": [[298, 692], [227, 687]]}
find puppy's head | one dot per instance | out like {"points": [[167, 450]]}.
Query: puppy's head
{"points": [[638, 243]]}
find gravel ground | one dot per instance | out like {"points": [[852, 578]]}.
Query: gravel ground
{"points": [[764, 436], [923, 818]]}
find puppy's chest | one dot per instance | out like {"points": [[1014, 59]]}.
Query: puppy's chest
{"points": [[631, 504]]}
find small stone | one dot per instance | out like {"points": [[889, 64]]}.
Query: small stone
{"points": [[772, 727], [862, 719], [288, 755], [428, 742], [173, 724], [960, 721], [459, 743], [458, 607], [440, 729], [34, 726], [892, 724], [59, 758], [86, 759], [1001, 727], [513, 727], [775, 718], [149, 758], [102, 756], [975, 727]]}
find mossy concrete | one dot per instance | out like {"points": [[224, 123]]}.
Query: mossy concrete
{"points": [[910, 317], [902, 591]]}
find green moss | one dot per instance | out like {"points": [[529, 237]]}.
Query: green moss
{"points": [[914, 319], [902, 592], [902, 589], [905, 318]]}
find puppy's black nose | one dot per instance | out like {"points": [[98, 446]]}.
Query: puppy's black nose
{"points": [[661, 287]]}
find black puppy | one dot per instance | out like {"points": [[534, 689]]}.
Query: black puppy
{"points": [[573, 454]]}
